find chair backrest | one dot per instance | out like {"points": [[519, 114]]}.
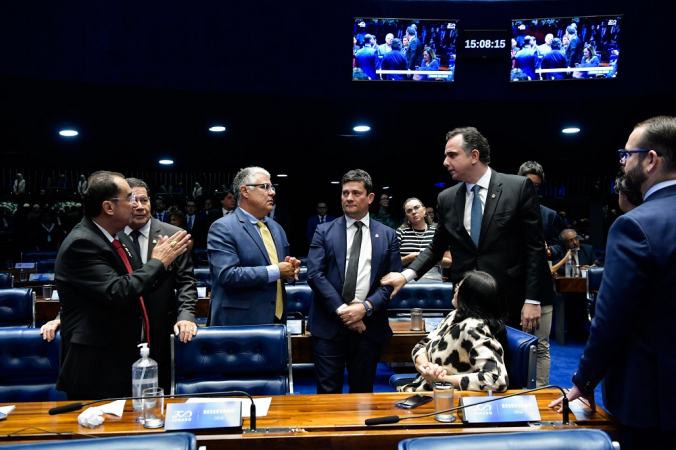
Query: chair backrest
{"points": [[29, 366], [299, 298], [164, 441], [423, 295], [203, 276], [251, 358], [17, 307], [583, 438], [302, 275], [45, 265], [200, 257], [594, 278], [37, 255], [6, 280], [520, 358]]}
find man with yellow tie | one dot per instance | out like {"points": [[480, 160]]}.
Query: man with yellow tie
{"points": [[249, 257]]}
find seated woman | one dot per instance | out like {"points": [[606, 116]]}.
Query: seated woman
{"points": [[429, 62], [466, 348], [177, 219]]}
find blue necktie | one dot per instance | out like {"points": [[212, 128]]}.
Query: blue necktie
{"points": [[190, 222], [475, 224]]}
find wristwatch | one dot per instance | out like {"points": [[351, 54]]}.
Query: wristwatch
{"points": [[369, 310]]}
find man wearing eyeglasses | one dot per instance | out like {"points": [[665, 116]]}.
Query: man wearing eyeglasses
{"points": [[583, 254], [249, 257], [630, 342], [102, 288]]}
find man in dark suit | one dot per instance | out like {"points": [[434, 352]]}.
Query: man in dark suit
{"points": [[197, 226], [171, 305], [348, 316], [629, 345], [322, 216], [583, 254], [249, 257], [160, 210], [492, 222], [367, 58], [415, 49], [102, 318]]}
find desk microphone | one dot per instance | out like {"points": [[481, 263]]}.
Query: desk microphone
{"points": [[79, 405], [394, 419]]}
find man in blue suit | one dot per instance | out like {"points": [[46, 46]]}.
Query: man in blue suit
{"points": [[583, 254], [367, 58], [322, 216], [248, 275], [629, 345], [348, 316]]}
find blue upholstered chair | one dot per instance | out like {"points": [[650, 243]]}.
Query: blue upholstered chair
{"points": [[203, 276], [583, 439], [37, 255], [299, 298], [521, 353], [155, 441], [17, 307], [6, 280], [428, 296], [302, 275], [200, 257], [254, 359], [594, 278], [29, 366]]}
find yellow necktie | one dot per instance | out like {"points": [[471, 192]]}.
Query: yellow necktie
{"points": [[272, 253]]}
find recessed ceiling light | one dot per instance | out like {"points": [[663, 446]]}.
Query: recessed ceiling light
{"points": [[386, 187], [282, 175], [68, 133], [217, 129], [570, 130], [166, 162], [335, 182], [361, 128]]}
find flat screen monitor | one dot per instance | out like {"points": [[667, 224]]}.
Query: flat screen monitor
{"points": [[560, 48], [412, 50]]}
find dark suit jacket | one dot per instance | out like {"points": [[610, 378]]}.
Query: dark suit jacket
{"points": [[326, 274], [414, 53], [551, 223], [100, 314], [629, 340], [240, 292], [511, 243], [584, 256], [166, 307], [312, 225]]}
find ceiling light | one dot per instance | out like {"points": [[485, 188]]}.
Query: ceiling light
{"points": [[282, 175], [217, 129], [335, 182], [386, 187], [362, 128], [570, 130], [166, 162], [68, 133]]}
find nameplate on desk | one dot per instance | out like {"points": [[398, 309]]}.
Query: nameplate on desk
{"points": [[41, 277], [523, 408], [190, 416], [26, 265]]}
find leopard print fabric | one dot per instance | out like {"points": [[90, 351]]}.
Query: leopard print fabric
{"points": [[468, 348]]}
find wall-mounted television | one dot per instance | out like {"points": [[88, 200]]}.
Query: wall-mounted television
{"points": [[560, 48], [412, 50]]}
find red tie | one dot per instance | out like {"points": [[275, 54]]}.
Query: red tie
{"points": [[575, 259], [125, 260]]}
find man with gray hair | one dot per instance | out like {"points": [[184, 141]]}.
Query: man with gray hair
{"points": [[249, 257]]}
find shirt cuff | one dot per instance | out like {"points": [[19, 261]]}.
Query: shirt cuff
{"points": [[273, 273], [410, 275], [340, 308], [532, 302]]}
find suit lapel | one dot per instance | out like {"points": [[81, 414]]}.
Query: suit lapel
{"points": [[250, 229], [340, 246], [153, 236], [87, 222], [377, 251], [459, 211], [492, 199]]}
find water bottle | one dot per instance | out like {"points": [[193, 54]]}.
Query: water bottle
{"points": [[143, 376], [569, 267]]}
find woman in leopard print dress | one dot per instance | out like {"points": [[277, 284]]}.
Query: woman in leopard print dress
{"points": [[465, 348]]}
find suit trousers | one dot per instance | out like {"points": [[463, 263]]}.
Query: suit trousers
{"points": [[543, 358], [347, 350]]}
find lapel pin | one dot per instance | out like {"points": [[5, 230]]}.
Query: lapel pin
{"points": [[493, 196], [377, 236], [154, 241]]}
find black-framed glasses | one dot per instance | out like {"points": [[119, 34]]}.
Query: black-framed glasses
{"points": [[415, 208], [130, 199], [624, 153], [267, 186]]}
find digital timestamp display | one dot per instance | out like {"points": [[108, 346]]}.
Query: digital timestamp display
{"points": [[484, 44]]}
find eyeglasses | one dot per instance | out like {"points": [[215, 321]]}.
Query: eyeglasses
{"points": [[415, 208], [575, 239], [624, 153], [130, 199], [267, 186]]}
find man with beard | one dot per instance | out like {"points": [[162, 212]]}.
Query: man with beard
{"points": [[627, 346]]}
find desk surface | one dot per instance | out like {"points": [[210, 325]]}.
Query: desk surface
{"points": [[301, 422]]}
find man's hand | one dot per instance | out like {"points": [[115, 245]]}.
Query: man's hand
{"points": [[395, 279], [185, 330], [359, 327], [287, 270], [48, 330], [530, 317], [170, 248], [573, 394], [354, 313], [296, 264]]}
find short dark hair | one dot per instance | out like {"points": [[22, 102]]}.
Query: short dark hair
{"points": [[396, 44], [411, 31], [225, 193], [479, 298], [101, 186], [532, 168], [472, 139], [358, 74], [138, 183], [660, 135], [367, 39], [556, 44], [358, 175]]}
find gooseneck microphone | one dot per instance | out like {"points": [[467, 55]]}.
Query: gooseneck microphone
{"points": [[394, 419], [79, 405]]}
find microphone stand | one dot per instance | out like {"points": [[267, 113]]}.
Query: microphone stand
{"points": [[565, 420], [79, 405]]}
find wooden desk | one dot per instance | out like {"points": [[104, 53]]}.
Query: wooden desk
{"points": [[565, 285], [301, 422]]}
